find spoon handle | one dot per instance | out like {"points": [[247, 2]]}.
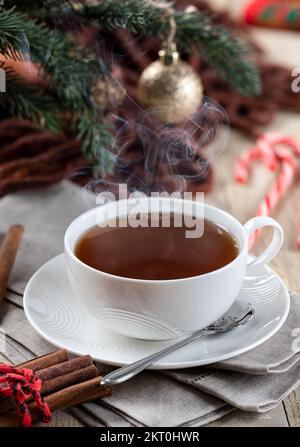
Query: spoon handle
{"points": [[127, 372]]}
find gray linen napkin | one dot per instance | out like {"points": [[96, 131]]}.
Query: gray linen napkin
{"points": [[255, 381], [260, 379], [45, 215], [276, 355]]}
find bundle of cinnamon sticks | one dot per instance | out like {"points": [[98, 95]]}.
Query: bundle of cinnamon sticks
{"points": [[65, 382]]}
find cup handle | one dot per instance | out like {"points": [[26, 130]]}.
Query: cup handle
{"points": [[271, 251]]}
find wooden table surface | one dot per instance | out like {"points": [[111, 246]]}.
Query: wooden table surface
{"points": [[242, 201]]}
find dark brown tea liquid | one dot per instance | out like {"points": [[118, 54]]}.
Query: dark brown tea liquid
{"points": [[156, 253]]}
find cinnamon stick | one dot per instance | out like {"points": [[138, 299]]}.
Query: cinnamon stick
{"points": [[57, 376], [72, 378], [8, 252], [68, 397], [65, 367], [45, 361]]}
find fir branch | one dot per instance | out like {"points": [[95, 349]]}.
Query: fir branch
{"points": [[28, 101], [13, 38], [37, 8], [72, 74], [227, 54], [137, 16], [98, 141], [70, 69]]}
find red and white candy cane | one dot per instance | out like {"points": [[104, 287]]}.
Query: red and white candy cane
{"points": [[269, 149], [262, 151]]}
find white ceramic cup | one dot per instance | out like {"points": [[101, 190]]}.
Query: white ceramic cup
{"points": [[162, 310]]}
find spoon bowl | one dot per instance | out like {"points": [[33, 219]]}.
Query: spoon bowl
{"points": [[237, 316]]}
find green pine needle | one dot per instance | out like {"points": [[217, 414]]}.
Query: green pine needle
{"points": [[137, 16], [12, 34], [98, 141], [27, 101], [227, 54]]}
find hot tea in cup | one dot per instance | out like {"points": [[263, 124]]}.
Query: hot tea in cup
{"points": [[156, 252], [153, 282]]}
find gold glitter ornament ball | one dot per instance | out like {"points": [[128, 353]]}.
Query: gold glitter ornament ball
{"points": [[171, 88]]}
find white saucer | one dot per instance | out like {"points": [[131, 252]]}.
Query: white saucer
{"points": [[53, 313]]}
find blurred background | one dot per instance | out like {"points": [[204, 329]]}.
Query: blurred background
{"points": [[80, 77]]}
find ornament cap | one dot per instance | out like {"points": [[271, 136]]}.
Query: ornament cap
{"points": [[169, 55]]}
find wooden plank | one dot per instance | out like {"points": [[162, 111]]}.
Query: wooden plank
{"points": [[274, 418], [292, 408], [61, 419]]}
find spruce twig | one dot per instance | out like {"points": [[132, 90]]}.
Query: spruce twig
{"points": [[27, 101], [13, 39], [71, 74], [227, 54]]}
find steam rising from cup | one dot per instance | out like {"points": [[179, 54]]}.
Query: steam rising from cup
{"points": [[151, 156]]}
